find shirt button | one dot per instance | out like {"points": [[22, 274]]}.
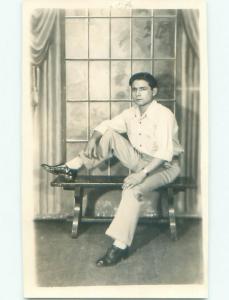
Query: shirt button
{"points": [[140, 145], [140, 133]]}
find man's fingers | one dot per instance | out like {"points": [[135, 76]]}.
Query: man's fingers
{"points": [[127, 178], [99, 152], [87, 151], [91, 153], [94, 152], [128, 186], [131, 186]]}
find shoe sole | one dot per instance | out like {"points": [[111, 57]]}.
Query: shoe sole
{"points": [[114, 264]]}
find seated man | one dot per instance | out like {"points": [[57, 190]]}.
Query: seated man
{"points": [[150, 153]]}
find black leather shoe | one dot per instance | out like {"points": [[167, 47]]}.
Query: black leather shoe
{"points": [[113, 256], [60, 169]]}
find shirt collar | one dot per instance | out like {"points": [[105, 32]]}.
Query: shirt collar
{"points": [[149, 109]]}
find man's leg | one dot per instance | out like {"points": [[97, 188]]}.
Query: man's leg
{"points": [[110, 144], [124, 223], [123, 226]]}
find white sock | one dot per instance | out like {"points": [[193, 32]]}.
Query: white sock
{"points": [[119, 244], [75, 163]]}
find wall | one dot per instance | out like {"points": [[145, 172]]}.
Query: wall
{"points": [[102, 49]]}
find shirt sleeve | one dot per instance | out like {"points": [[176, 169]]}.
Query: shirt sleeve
{"points": [[117, 123], [164, 134]]}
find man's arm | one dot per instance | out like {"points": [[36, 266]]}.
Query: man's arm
{"points": [[117, 123], [136, 178]]}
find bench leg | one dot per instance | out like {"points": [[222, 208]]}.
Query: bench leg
{"points": [[172, 217], [78, 197]]}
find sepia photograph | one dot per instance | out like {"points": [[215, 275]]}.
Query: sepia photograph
{"points": [[115, 149]]}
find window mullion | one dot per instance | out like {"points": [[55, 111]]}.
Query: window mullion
{"points": [[175, 65], [88, 75], [131, 52], [109, 164]]}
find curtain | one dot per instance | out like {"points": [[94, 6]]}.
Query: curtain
{"points": [[187, 109], [190, 23], [48, 105]]}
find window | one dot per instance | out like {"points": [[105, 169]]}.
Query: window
{"points": [[103, 48]]}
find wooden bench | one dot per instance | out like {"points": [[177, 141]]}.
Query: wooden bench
{"points": [[79, 185]]}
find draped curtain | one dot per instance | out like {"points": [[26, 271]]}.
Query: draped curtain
{"points": [[48, 104], [187, 109]]}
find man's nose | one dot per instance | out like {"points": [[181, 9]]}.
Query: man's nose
{"points": [[138, 92]]}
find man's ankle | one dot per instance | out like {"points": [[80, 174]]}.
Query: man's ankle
{"points": [[74, 164], [120, 244]]}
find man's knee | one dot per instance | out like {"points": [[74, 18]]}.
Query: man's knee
{"points": [[110, 137], [110, 133], [135, 193]]}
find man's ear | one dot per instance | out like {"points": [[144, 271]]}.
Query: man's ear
{"points": [[154, 91]]}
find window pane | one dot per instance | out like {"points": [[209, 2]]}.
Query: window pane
{"points": [[141, 12], [77, 121], [164, 38], [164, 12], [141, 66], [97, 12], [120, 38], [76, 80], [99, 80], [141, 43], [164, 72], [76, 12], [120, 73], [118, 107], [73, 149], [98, 113], [76, 42], [99, 38], [168, 104], [116, 12]]}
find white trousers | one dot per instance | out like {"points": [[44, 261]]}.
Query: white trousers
{"points": [[123, 226]]}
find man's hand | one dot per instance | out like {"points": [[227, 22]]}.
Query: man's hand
{"points": [[92, 150], [133, 179]]}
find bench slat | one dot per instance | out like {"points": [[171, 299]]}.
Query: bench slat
{"points": [[110, 181]]}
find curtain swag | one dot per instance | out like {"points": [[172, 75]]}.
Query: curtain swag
{"points": [[42, 24]]}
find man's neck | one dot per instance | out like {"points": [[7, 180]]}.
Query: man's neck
{"points": [[143, 109]]}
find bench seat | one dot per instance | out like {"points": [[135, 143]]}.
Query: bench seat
{"points": [[80, 183]]}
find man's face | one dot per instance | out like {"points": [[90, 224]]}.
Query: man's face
{"points": [[142, 94]]}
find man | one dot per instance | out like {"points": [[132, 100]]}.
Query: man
{"points": [[150, 153]]}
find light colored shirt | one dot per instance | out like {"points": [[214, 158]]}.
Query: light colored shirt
{"points": [[154, 133]]}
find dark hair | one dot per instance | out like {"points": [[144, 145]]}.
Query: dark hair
{"points": [[144, 76]]}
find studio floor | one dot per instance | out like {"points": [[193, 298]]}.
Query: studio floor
{"points": [[154, 258]]}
